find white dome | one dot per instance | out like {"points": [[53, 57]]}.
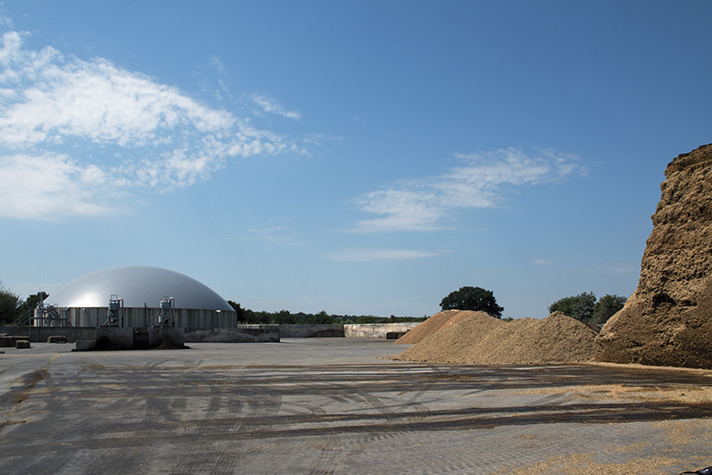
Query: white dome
{"points": [[137, 286]]}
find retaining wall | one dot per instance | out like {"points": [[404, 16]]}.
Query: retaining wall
{"points": [[367, 330], [241, 334], [377, 330], [40, 334], [311, 331], [139, 338]]}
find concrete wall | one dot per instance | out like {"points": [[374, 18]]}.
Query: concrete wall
{"points": [[21, 331], [241, 334], [377, 330], [311, 331], [143, 338], [371, 330], [40, 334]]}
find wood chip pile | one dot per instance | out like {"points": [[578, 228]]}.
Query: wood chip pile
{"points": [[477, 338], [436, 323]]}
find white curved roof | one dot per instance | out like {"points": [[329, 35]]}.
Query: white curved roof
{"points": [[138, 285]]}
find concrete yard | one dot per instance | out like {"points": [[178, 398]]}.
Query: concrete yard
{"points": [[339, 406]]}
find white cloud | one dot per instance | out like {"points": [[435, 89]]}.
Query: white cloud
{"points": [[365, 255], [418, 205], [49, 187], [5, 20], [160, 138], [404, 209], [270, 106]]}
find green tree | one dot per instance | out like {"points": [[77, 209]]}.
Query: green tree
{"points": [[245, 315], [283, 317], [472, 298], [31, 302], [579, 306], [9, 303], [238, 310], [262, 318], [583, 311], [606, 307], [367, 319], [565, 305], [586, 309], [321, 318]]}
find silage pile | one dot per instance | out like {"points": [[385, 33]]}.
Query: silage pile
{"points": [[668, 319], [437, 322], [482, 339]]}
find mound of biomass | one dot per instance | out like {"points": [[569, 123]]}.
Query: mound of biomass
{"points": [[668, 319], [482, 339], [436, 323]]}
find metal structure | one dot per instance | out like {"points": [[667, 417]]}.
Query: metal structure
{"points": [[165, 319], [50, 316], [115, 306]]}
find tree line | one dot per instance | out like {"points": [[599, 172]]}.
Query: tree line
{"points": [[285, 317]]}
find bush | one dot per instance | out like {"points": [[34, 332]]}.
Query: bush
{"points": [[9, 303]]}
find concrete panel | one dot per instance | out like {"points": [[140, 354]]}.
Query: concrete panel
{"points": [[72, 334], [311, 331], [21, 331], [377, 330]]}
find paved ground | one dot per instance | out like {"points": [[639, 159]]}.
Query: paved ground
{"points": [[336, 406]]}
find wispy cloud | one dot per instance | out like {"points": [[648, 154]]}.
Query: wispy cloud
{"points": [[139, 134], [271, 106], [365, 255], [319, 139], [272, 235], [481, 182]]}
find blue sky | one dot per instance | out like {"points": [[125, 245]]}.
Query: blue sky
{"points": [[362, 157]]}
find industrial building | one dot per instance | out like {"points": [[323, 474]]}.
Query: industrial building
{"points": [[136, 296], [140, 307]]}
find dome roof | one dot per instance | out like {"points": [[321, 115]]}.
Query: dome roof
{"points": [[138, 286]]}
